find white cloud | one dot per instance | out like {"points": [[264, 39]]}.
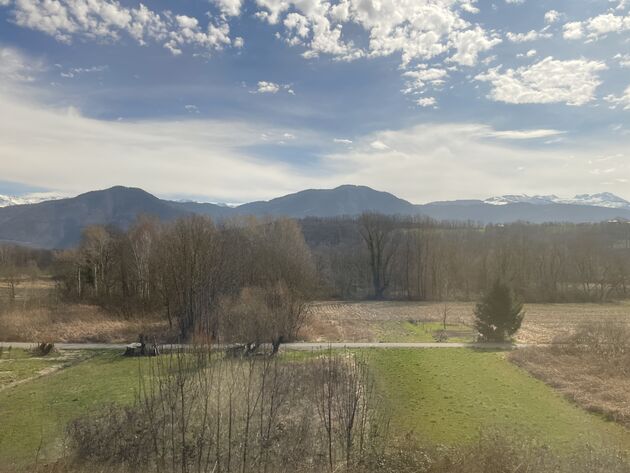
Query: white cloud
{"points": [[597, 27], [76, 71], [622, 101], [40, 144], [426, 102], [607, 23], [521, 134], [549, 81], [469, 44], [422, 76], [530, 53], [623, 59], [532, 35], [191, 108], [108, 20], [416, 29], [552, 16], [265, 87], [515, 1], [229, 7], [378, 145], [459, 161], [573, 30], [342, 141], [16, 67]]}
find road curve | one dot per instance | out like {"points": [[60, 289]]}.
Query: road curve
{"points": [[289, 346]]}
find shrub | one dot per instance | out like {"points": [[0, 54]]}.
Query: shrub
{"points": [[604, 339], [198, 412], [498, 315], [43, 349]]}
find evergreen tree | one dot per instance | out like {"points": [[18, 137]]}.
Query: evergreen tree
{"points": [[498, 315]]}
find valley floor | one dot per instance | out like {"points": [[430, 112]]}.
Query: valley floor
{"points": [[434, 396], [410, 321], [329, 321]]}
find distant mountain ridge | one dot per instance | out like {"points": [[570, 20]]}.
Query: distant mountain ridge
{"points": [[59, 223], [34, 198], [604, 199]]}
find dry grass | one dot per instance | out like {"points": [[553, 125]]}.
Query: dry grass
{"points": [[591, 368], [364, 321], [374, 321], [76, 323]]}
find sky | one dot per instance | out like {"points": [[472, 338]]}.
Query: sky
{"points": [[241, 100]]}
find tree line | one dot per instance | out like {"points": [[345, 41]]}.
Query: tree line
{"points": [[251, 279], [246, 279], [380, 256]]}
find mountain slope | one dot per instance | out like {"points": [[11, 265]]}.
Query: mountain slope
{"points": [[35, 198], [513, 212], [604, 199], [59, 223], [343, 200]]}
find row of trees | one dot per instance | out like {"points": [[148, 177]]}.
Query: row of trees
{"points": [[19, 264], [247, 279], [382, 256], [250, 279]]}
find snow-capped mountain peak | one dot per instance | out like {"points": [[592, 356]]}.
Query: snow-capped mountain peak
{"points": [[34, 198], [521, 198], [603, 199]]}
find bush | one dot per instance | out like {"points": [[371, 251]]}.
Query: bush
{"points": [[43, 349], [605, 339], [499, 315], [198, 412]]}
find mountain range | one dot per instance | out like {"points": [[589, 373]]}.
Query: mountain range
{"points": [[604, 199], [59, 223]]}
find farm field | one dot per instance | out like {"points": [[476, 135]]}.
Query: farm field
{"points": [[396, 321], [434, 396], [36, 319], [448, 396]]}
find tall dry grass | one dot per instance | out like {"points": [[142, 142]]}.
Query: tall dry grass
{"points": [[591, 367], [76, 323]]}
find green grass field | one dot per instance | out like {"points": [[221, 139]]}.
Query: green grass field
{"points": [[438, 395], [33, 415], [425, 332], [448, 396], [18, 365]]}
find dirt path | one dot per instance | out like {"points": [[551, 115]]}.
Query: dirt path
{"points": [[290, 346], [67, 362]]}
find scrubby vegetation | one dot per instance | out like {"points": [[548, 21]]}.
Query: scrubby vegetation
{"points": [[202, 412], [590, 367]]}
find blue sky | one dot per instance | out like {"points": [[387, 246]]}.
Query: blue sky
{"points": [[237, 100]]}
